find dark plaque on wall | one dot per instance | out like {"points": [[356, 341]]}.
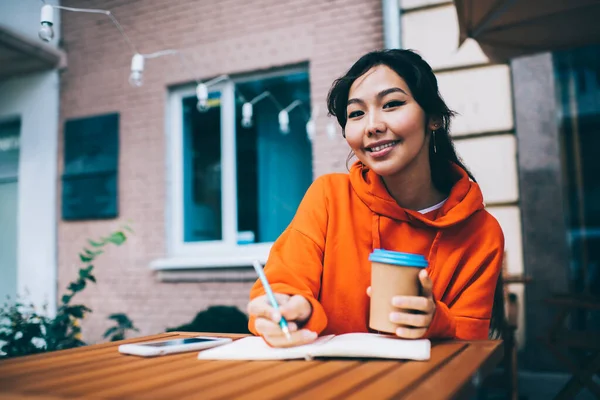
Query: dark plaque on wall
{"points": [[90, 178]]}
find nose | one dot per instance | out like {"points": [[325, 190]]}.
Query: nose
{"points": [[374, 125]]}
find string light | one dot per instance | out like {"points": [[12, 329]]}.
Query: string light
{"points": [[46, 32], [311, 129], [202, 92], [136, 76], [284, 116], [137, 70], [248, 107]]}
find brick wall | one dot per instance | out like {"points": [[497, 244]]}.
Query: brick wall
{"points": [[219, 37]]}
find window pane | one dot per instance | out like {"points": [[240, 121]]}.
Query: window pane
{"points": [[202, 219], [274, 170], [9, 190], [578, 75]]}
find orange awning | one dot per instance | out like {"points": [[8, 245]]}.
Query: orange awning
{"points": [[509, 28]]}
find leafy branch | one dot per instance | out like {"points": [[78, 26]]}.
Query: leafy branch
{"points": [[24, 331]]}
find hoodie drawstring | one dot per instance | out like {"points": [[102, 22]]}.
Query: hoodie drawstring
{"points": [[375, 234], [433, 252]]}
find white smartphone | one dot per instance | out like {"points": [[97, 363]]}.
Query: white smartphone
{"points": [[151, 349]]}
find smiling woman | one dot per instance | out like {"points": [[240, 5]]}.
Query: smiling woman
{"points": [[408, 192]]}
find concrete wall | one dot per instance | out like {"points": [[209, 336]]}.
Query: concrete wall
{"points": [[34, 100], [484, 130]]}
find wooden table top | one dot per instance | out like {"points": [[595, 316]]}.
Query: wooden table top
{"points": [[100, 371]]}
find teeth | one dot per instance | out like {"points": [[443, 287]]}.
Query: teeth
{"points": [[379, 148]]}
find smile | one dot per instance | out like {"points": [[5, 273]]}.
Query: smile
{"points": [[381, 147]]}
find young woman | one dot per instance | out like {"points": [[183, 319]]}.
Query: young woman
{"points": [[407, 192]]}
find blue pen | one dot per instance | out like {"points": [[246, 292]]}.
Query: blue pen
{"points": [[261, 275]]}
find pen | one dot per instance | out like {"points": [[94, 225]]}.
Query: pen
{"points": [[261, 275]]}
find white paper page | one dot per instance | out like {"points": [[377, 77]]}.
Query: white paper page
{"points": [[369, 345], [255, 348]]}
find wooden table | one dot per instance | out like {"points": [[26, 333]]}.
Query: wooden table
{"points": [[99, 371]]}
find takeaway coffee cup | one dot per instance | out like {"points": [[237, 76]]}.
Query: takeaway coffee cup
{"points": [[392, 274]]}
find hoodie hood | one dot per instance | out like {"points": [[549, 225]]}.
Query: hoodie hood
{"points": [[464, 199]]}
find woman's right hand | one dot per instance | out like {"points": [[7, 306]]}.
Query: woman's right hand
{"points": [[296, 310]]}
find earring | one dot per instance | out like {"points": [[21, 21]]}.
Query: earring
{"points": [[434, 146]]}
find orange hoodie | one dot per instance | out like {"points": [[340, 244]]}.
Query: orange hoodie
{"points": [[323, 254]]}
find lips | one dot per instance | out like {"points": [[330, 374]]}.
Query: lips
{"points": [[381, 149], [379, 146]]}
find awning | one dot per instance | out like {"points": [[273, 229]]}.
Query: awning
{"points": [[509, 28], [22, 55]]}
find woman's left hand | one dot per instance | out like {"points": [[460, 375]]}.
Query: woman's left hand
{"points": [[415, 312]]}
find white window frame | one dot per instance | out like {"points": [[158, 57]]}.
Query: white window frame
{"points": [[205, 254]]}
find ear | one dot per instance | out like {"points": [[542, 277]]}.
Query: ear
{"points": [[435, 123]]}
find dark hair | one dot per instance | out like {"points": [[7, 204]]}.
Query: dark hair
{"points": [[421, 81]]}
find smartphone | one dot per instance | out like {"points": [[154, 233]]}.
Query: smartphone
{"points": [[152, 349]]}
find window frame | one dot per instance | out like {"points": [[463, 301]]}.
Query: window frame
{"points": [[218, 253]]}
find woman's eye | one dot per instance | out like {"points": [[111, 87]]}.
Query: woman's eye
{"points": [[394, 103], [355, 114]]}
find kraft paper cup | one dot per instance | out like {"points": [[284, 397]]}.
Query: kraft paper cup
{"points": [[392, 274]]}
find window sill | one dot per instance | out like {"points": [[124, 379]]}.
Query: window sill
{"points": [[223, 265]]}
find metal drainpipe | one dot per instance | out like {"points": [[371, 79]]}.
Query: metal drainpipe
{"points": [[391, 23]]}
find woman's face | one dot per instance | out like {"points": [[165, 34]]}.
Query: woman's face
{"points": [[385, 125]]}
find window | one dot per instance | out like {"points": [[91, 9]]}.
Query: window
{"points": [[89, 182], [9, 201], [234, 189], [578, 77]]}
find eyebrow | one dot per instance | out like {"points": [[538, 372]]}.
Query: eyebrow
{"points": [[380, 95]]}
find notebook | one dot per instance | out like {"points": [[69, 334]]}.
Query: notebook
{"points": [[354, 345]]}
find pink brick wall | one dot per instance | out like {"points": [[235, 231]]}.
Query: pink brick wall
{"points": [[219, 37]]}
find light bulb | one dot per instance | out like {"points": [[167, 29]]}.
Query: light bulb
{"points": [[137, 70], [284, 122], [310, 129], [202, 106], [136, 78], [46, 32], [202, 95], [247, 112], [247, 123]]}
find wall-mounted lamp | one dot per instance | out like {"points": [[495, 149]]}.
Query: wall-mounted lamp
{"points": [[202, 92]]}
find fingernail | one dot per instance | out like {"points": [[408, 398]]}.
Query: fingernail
{"points": [[275, 316], [292, 327], [309, 335], [394, 317], [397, 301], [400, 331]]}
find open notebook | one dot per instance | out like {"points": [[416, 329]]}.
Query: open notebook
{"points": [[359, 345]]}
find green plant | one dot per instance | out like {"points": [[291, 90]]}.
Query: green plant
{"points": [[24, 331], [123, 325]]}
